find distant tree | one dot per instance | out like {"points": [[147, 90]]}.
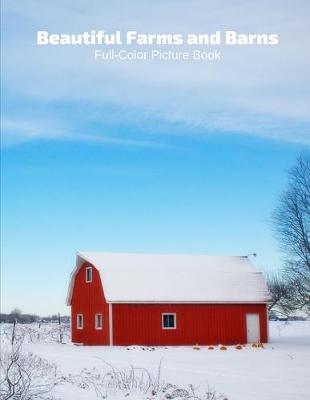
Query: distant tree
{"points": [[16, 311], [17, 316], [292, 227]]}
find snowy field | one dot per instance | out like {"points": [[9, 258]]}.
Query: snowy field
{"points": [[279, 371]]}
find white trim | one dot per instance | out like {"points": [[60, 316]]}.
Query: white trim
{"points": [[162, 321], [110, 325], [96, 321], [78, 326], [187, 302], [87, 269]]}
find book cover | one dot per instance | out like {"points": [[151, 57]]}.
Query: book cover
{"points": [[155, 199]]}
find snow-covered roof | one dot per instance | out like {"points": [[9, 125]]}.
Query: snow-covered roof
{"points": [[168, 278]]}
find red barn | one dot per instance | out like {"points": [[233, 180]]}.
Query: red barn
{"points": [[155, 299]]}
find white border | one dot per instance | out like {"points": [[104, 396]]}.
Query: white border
{"points": [[91, 274], [162, 320], [77, 321], [96, 325]]}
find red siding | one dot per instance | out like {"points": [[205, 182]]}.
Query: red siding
{"points": [[88, 299], [141, 323], [196, 323]]}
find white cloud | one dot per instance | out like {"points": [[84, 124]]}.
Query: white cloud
{"points": [[262, 91]]}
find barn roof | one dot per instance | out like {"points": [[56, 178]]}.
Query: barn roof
{"points": [[132, 278]]}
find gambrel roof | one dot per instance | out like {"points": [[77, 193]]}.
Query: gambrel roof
{"points": [[174, 278]]}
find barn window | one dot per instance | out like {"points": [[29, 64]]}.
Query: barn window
{"points": [[98, 321], [79, 321], [169, 321], [89, 274]]}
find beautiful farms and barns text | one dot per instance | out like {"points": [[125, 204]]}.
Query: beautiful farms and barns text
{"points": [[134, 38], [139, 40]]}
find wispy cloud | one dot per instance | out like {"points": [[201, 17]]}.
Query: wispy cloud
{"points": [[253, 90], [21, 131]]}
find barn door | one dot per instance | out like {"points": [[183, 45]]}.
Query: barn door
{"points": [[252, 328]]}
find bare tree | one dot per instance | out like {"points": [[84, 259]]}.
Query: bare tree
{"points": [[282, 295], [292, 226]]}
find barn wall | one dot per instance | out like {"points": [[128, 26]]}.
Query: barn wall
{"points": [[88, 299], [196, 323]]}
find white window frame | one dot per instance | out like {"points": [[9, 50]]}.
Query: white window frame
{"points": [[91, 274], [78, 326], [96, 320], [162, 320]]}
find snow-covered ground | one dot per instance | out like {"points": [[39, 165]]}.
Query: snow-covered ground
{"points": [[279, 371]]}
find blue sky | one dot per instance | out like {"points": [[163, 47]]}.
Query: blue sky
{"points": [[152, 157]]}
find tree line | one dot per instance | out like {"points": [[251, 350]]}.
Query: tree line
{"points": [[18, 316]]}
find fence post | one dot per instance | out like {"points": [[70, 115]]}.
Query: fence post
{"points": [[13, 333], [60, 333]]}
